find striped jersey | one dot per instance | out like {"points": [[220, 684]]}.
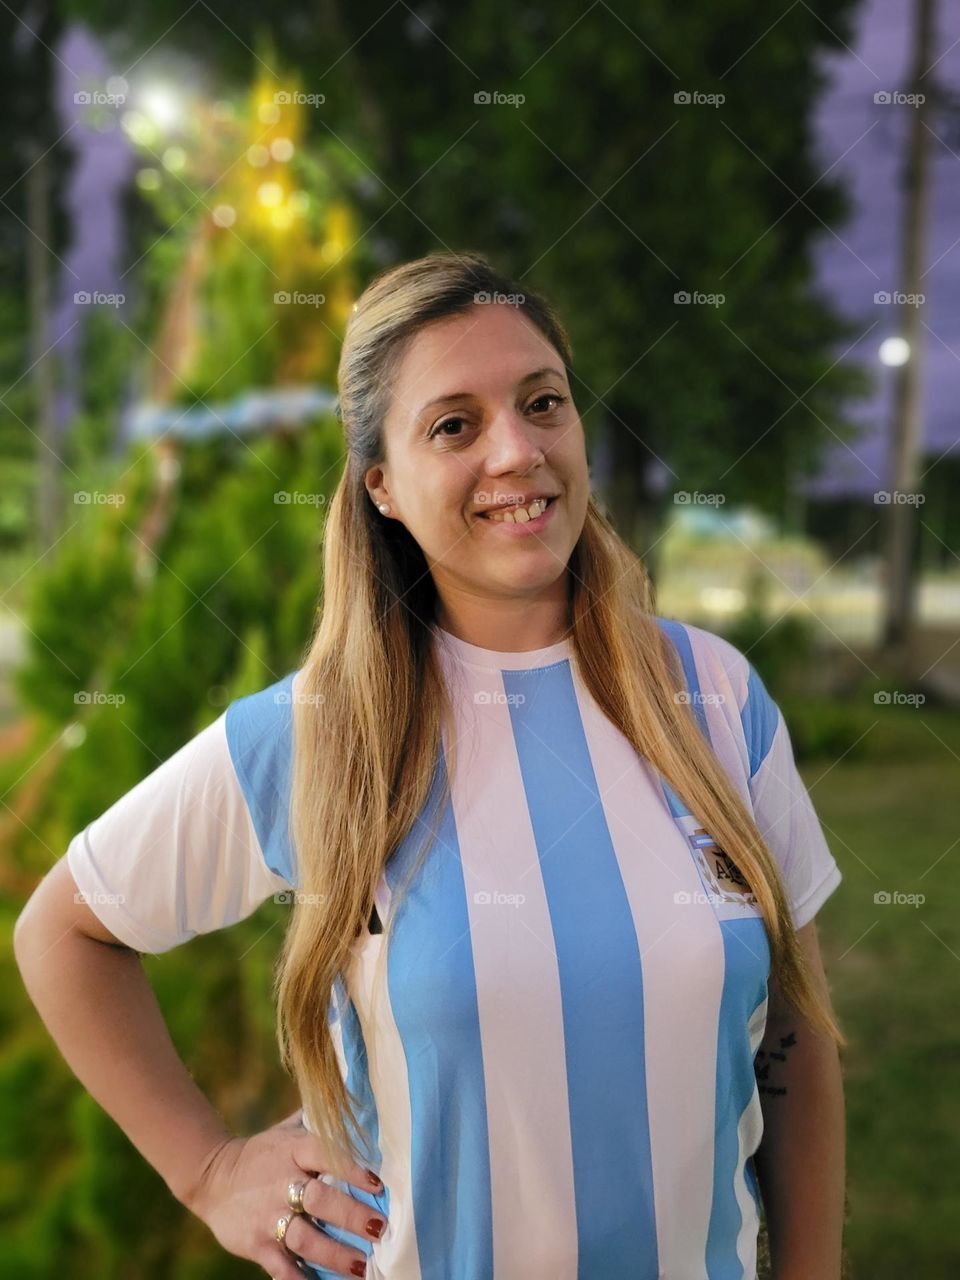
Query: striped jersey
{"points": [[553, 1060]]}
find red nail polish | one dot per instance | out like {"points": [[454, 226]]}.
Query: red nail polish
{"points": [[374, 1181], [375, 1227], [358, 1268]]}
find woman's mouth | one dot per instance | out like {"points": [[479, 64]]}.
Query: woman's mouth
{"points": [[512, 522]]}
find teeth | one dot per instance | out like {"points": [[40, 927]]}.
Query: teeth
{"points": [[520, 515]]}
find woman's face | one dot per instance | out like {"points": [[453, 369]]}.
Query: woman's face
{"points": [[482, 415]]}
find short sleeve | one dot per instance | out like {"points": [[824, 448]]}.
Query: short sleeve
{"points": [[178, 854], [782, 806]]}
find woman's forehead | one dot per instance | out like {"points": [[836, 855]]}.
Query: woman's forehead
{"points": [[486, 352]]}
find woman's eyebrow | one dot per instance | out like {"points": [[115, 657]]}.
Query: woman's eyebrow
{"points": [[462, 395]]}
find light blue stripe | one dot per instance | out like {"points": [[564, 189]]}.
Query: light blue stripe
{"points": [[358, 1082], [759, 718], [746, 957], [433, 995], [259, 731], [678, 634], [600, 975]]}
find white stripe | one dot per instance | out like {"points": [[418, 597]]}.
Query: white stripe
{"points": [[521, 1028], [749, 1133], [395, 1254], [682, 960]]}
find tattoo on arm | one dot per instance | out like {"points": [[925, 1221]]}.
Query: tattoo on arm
{"points": [[768, 1059]]}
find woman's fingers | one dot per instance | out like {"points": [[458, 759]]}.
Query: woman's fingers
{"points": [[279, 1265], [311, 1156], [341, 1210], [314, 1245]]}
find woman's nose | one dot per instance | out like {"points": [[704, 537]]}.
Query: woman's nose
{"points": [[512, 443]]}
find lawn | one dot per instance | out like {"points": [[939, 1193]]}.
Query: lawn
{"points": [[894, 971]]}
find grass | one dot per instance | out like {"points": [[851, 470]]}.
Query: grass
{"points": [[894, 972]]}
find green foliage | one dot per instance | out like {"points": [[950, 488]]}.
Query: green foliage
{"points": [[227, 609]]}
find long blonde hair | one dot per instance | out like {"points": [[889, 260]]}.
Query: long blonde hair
{"points": [[367, 717]]}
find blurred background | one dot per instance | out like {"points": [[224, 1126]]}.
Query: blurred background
{"points": [[748, 218]]}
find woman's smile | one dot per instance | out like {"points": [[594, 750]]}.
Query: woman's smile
{"points": [[513, 525]]}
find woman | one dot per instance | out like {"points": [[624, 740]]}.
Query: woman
{"points": [[552, 969]]}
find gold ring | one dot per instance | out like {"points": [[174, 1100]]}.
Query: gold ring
{"points": [[295, 1196], [282, 1223]]}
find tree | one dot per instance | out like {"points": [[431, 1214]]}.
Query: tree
{"points": [[613, 197]]}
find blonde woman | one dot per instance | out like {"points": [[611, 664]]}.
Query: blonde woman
{"points": [[552, 970]]}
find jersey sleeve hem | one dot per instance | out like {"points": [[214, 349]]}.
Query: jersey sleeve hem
{"points": [[108, 906], [808, 906]]}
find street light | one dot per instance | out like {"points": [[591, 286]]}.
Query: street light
{"points": [[894, 352]]}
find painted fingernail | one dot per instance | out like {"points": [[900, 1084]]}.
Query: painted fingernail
{"points": [[358, 1268], [374, 1181], [375, 1227]]}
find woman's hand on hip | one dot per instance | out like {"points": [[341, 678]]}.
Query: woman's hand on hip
{"points": [[243, 1193]]}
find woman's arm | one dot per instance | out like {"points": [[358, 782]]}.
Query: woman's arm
{"points": [[97, 1003], [800, 1163]]}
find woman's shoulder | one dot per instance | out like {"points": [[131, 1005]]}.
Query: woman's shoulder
{"points": [[709, 658], [259, 731]]}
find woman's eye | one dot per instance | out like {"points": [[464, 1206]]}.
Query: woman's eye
{"points": [[440, 425], [551, 395], [548, 395]]}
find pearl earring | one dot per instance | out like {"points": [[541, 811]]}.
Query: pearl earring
{"points": [[383, 508]]}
